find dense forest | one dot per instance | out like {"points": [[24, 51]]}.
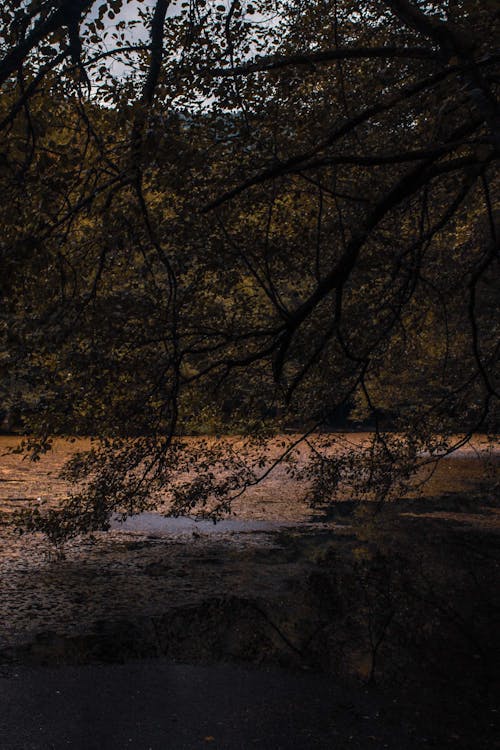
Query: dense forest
{"points": [[246, 218]]}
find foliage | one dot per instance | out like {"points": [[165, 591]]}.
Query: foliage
{"points": [[238, 217]]}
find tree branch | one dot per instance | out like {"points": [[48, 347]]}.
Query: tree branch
{"points": [[310, 59], [64, 15]]}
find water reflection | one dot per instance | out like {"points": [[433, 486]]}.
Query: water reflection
{"points": [[154, 523]]}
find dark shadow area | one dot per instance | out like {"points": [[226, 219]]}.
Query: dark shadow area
{"points": [[158, 705]]}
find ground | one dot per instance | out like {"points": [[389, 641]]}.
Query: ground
{"points": [[395, 610]]}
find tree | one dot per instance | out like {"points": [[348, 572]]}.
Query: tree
{"points": [[247, 210]]}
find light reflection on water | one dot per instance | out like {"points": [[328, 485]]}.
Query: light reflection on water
{"points": [[154, 523]]}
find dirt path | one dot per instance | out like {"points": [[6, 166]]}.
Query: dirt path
{"points": [[155, 705]]}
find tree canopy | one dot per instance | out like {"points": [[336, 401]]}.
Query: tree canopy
{"points": [[240, 216]]}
